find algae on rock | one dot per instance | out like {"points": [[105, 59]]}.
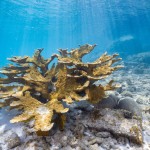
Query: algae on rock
{"points": [[40, 91]]}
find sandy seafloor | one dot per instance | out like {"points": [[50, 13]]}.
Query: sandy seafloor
{"points": [[135, 83]]}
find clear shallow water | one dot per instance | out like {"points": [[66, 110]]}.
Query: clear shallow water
{"points": [[122, 26], [116, 26]]}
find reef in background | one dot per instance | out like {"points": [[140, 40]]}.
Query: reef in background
{"points": [[41, 91]]}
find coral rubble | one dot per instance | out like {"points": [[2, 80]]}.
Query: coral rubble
{"points": [[40, 90], [113, 121]]}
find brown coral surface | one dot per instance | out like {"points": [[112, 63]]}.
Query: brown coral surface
{"points": [[40, 90]]}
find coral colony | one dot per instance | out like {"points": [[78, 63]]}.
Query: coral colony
{"points": [[29, 84]]}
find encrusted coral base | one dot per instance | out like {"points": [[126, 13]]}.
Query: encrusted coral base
{"points": [[42, 133]]}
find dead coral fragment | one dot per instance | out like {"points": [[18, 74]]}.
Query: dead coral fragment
{"points": [[40, 91]]}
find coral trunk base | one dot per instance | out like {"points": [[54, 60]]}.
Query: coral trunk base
{"points": [[42, 133]]}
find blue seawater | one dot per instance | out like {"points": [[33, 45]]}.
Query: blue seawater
{"points": [[115, 25]]}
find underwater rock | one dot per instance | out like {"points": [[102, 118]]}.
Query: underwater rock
{"points": [[110, 102], [103, 134], [108, 143], [130, 105], [9, 140], [113, 121], [105, 146], [81, 105], [34, 142], [94, 147], [2, 128], [64, 141], [127, 94], [67, 148], [114, 102]]}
